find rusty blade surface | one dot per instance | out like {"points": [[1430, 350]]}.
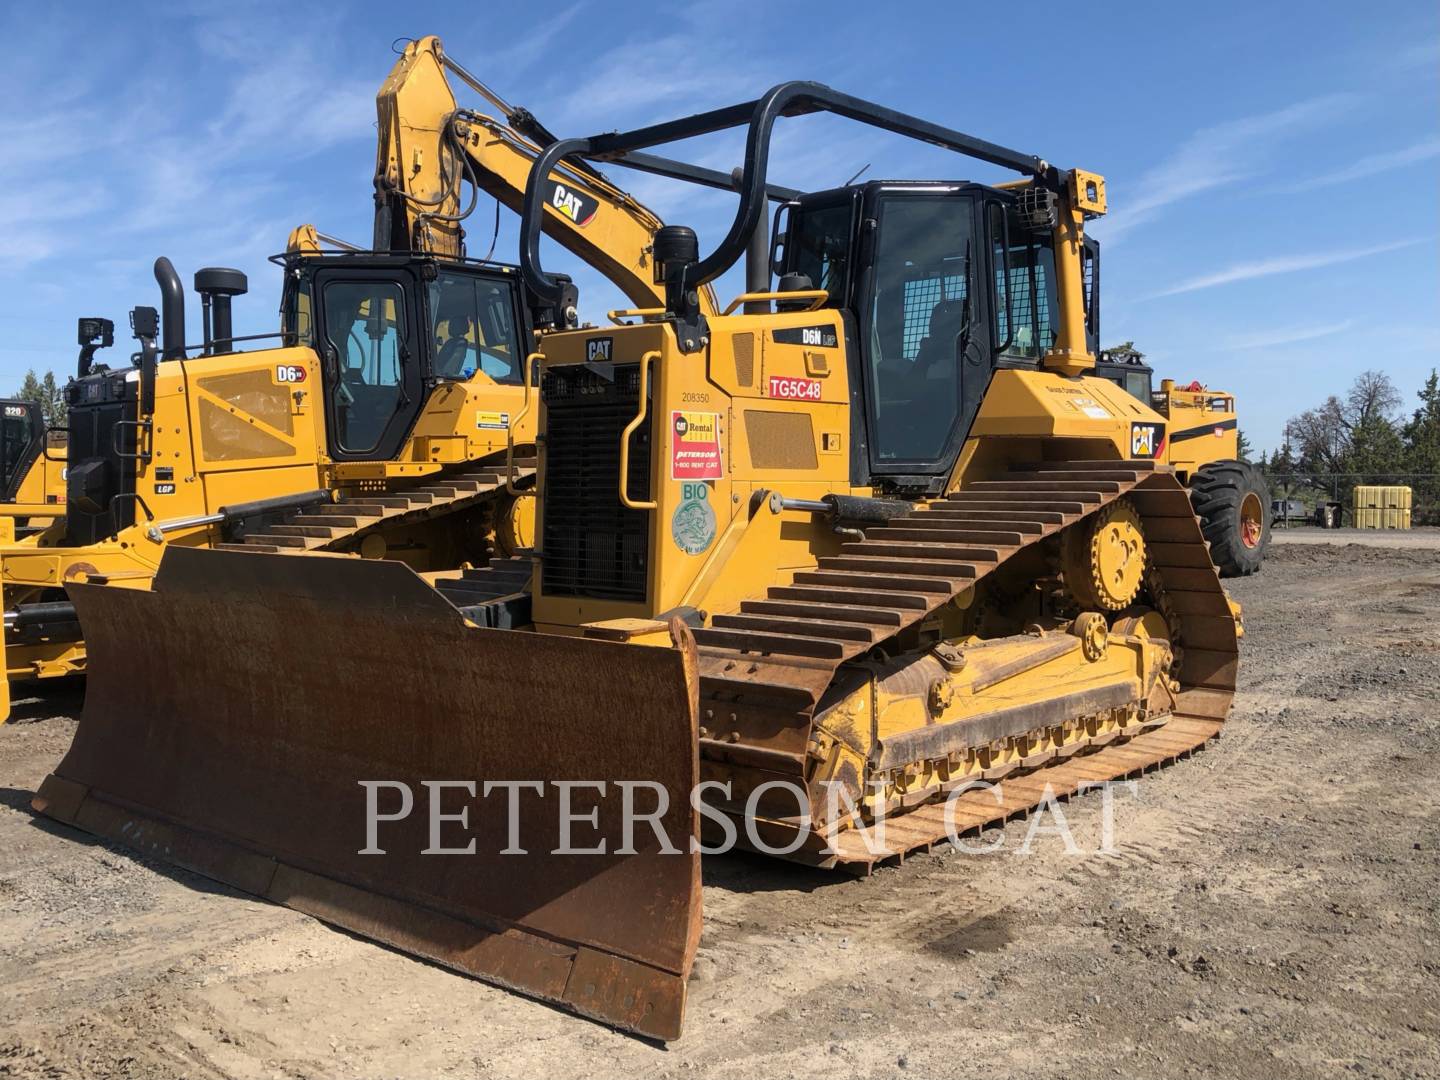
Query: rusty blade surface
{"points": [[233, 713]]}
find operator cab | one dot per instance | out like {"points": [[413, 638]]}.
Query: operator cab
{"points": [[388, 329], [22, 440], [942, 284], [391, 328]]}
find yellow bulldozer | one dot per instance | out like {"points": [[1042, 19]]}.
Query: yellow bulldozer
{"points": [[376, 421], [1202, 445], [867, 559]]}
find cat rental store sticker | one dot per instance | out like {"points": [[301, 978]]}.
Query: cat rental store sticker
{"points": [[695, 445]]}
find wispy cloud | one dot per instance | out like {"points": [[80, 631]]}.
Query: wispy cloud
{"points": [[1282, 264], [1372, 164], [1293, 336], [1217, 156]]}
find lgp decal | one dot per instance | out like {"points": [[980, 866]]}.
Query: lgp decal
{"points": [[578, 207], [164, 489], [794, 389], [1146, 440], [600, 348], [695, 445], [289, 373], [492, 421], [822, 337], [692, 526]]}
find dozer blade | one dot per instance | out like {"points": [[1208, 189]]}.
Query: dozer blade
{"points": [[233, 714]]}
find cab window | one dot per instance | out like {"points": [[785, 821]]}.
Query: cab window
{"points": [[819, 245], [1025, 292], [365, 325], [472, 328], [919, 324]]}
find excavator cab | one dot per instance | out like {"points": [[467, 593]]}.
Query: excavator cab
{"points": [[22, 441]]}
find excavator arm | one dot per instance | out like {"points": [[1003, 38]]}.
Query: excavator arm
{"points": [[428, 145]]}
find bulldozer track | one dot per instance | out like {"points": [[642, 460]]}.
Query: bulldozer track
{"points": [[326, 528], [764, 669]]}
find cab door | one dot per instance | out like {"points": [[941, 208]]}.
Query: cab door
{"points": [[371, 352]]}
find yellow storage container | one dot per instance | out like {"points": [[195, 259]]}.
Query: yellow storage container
{"points": [[1382, 506]]}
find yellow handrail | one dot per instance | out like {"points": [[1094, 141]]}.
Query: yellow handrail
{"points": [[619, 315], [510, 431], [625, 499], [817, 297]]}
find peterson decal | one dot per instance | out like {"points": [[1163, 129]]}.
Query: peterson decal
{"points": [[820, 337], [577, 206], [782, 386], [695, 445], [1146, 440]]}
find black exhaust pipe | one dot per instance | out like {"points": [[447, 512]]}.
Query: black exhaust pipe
{"points": [[172, 310]]}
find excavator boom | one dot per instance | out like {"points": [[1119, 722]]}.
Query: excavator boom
{"points": [[428, 144]]}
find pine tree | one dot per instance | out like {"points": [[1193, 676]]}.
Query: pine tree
{"points": [[1422, 451], [45, 392], [1242, 446]]}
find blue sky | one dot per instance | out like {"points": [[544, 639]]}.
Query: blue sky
{"points": [[1271, 167]]}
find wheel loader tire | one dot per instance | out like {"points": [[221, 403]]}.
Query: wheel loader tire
{"points": [[1232, 499]]}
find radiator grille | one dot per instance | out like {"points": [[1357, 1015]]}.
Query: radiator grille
{"points": [[592, 545]]}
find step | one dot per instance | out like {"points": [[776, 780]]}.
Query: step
{"points": [[1010, 518], [269, 541], [799, 609], [1127, 476], [1038, 495], [919, 567], [350, 509], [929, 533], [870, 598], [1112, 465], [1019, 505], [323, 532], [872, 580], [336, 521], [1105, 486], [781, 624], [901, 549], [781, 644]]}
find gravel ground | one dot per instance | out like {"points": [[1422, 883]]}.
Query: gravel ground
{"points": [[1270, 910]]}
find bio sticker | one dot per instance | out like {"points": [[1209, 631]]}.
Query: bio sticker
{"points": [[692, 526]]}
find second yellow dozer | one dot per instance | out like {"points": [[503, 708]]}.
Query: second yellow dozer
{"points": [[815, 573]]}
